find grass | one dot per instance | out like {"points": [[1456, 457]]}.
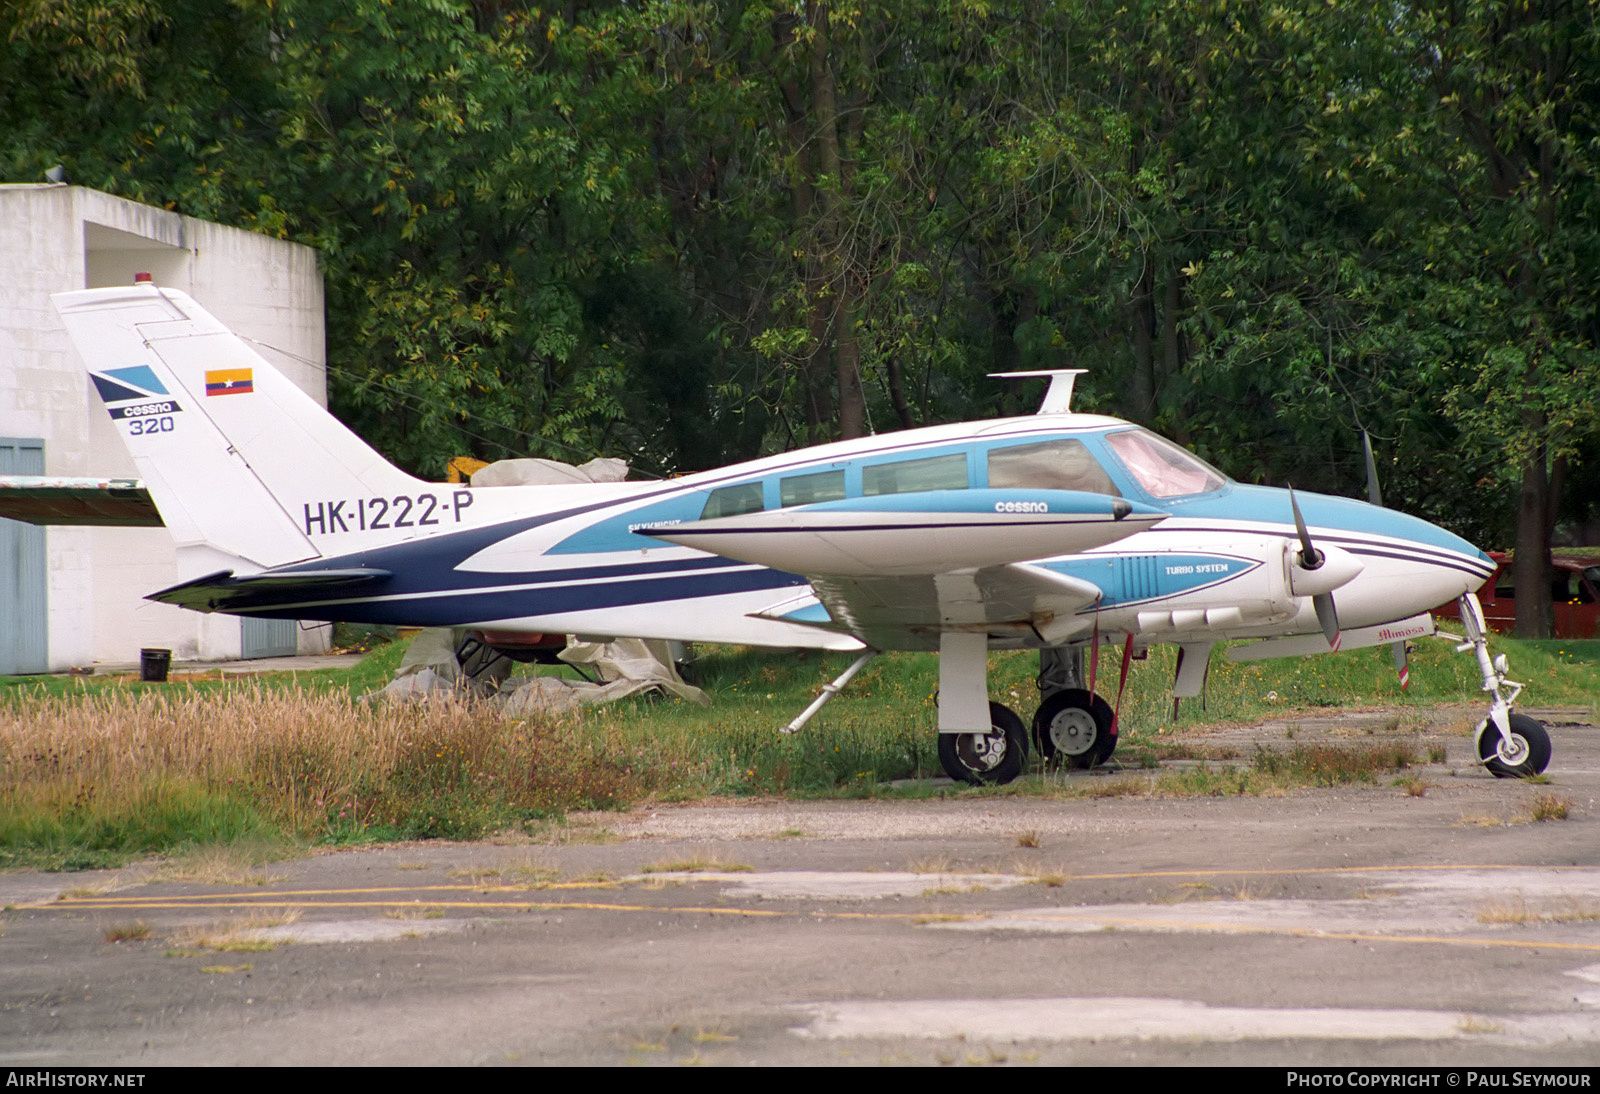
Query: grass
{"points": [[95, 770], [697, 864], [1549, 806]]}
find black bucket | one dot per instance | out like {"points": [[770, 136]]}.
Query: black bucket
{"points": [[153, 665]]}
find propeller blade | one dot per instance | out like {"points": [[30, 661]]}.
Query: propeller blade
{"points": [[1328, 616], [1374, 495], [1401, 664], [1310, 557]]}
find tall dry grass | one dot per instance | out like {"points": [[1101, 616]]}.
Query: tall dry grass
{"points": [[139, 771]]}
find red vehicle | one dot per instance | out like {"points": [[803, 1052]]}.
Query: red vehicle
{"points": [[1574, 596]]}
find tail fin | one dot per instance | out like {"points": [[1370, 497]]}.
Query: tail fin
{"points": [[242, 464]]}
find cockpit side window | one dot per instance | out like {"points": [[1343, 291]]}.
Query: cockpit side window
{"points": [[1160, 467], [1049, 465], [730, 501], [806, 489], [910, 476]]}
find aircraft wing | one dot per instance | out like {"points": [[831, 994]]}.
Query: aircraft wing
{"points": [[896, 571], [225, 591], [56, 499], [916, 534], [1014, 599]]}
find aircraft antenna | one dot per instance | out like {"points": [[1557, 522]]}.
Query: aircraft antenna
{"points": [[1058, 398]]}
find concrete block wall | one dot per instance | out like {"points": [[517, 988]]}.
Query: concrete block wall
{"points": [[59, 238]]}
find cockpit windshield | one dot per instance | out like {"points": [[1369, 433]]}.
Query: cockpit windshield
{"points": [[1160, 467]]}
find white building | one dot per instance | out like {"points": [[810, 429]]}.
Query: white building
{"points": [[73, 596]]}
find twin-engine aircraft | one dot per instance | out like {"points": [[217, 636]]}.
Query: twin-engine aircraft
{"points": [[1053, 532]]}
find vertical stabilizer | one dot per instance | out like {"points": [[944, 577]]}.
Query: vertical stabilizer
{"points": [[238, 459]]}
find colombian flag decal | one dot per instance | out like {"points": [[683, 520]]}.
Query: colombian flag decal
{"points": [[230, 381]]}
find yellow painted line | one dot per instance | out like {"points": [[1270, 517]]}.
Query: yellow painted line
{"points": [[921, 917], [517, 905], [1306, 871], [274, 893], [1133, 875], [1313, 933]]}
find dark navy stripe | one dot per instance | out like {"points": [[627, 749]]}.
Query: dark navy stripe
{"points": [[458, 608], [1416, 553]]}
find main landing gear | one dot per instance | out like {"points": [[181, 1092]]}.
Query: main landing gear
{"points": [[1072, 726], [1511, 746], [995, 757]]}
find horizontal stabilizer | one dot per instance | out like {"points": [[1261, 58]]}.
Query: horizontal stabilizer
{"points": [[1304, 645], [74, 500], [222, 591]]}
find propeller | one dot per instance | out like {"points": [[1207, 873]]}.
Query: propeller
{"points": [[1401, 664], [1311, 560], [1373, 494]]}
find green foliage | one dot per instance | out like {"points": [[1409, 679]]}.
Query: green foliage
{"points": [[690, 233], [94, 830]]}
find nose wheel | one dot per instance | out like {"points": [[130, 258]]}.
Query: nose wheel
{"points": [[1074, 727], [1525, 752], [991, 758]]}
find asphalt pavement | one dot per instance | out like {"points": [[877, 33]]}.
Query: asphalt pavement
{"points": [[1346, 925]]}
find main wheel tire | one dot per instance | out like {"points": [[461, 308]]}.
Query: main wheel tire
{"points": [[991, 758], [1074, 727], [1525, 753]]}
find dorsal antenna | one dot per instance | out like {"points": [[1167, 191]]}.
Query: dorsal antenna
{"points": [[1058, 398]]}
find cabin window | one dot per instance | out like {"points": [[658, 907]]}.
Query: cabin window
{"points": [[730, 501], [1160, 467], [805, 489], [911, 476], [1050, 465]]}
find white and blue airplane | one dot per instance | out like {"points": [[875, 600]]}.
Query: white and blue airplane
{"points": [[1053, 532]]}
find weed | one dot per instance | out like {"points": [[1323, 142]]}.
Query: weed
{"points": [[226, 968], [1119, 786], [136, 931], [712, 1037], [1436, 754], [1548, 806], [697, 864], [418, 911], [236, 936], [1030, 839], [1038, 875], [1413, 786], [236, 863]]}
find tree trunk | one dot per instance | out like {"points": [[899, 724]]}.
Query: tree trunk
{"points": [[1531, 566], [1142, 320]]}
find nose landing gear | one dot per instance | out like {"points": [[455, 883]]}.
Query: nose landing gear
{"points": [[1511, 746]]}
